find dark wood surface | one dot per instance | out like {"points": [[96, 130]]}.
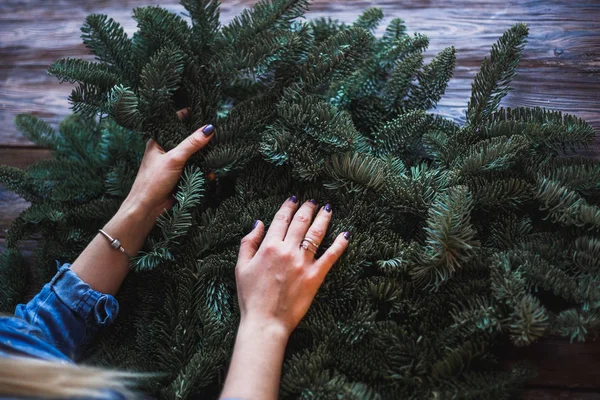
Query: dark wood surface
{"points": [[560, 70]]}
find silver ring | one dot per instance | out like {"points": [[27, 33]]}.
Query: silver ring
{"points": [[309, 240], [306, 247], [307, 243]]}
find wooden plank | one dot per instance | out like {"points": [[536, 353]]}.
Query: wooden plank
{"points": [[559, 69], [22, 156], [553, 394], [559, 364]]}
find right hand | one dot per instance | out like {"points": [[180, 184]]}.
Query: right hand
{"points": [[276, 279]]}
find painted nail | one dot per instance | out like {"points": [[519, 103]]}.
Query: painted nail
{"points": [[255, 224], [313, 201], [328, 207], [208, 130], [347, 235], [294, 199]]}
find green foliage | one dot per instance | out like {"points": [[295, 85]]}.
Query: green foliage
{"points": [[463, 237]]}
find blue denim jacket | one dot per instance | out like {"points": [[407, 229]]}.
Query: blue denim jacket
{"points": [[58, 321], [62, 317]]}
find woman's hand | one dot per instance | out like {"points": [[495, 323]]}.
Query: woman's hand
{"points": [[160, 171], [276, 282], [99, 265], [276, 278]]}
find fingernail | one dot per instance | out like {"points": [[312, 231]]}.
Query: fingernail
{"points": [[255, 224], [294, 199], [208, 130], [328, 207], [347, 235], [313, 201]]}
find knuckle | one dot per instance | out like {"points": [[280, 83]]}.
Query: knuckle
{"points": [[317, 231], [282, 216], [301, 217], [271, 249], [246, 240]]}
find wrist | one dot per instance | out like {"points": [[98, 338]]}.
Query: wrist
{"points": [[266, 331], [136, 209]]}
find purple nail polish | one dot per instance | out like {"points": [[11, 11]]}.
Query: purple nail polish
{"points": [[313, 201], [347, 235], [328, 207], [294, 199], [255, 224], [208, 130]]}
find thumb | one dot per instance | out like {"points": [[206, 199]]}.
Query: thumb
{"points": [[193, 143], [250, 243]]}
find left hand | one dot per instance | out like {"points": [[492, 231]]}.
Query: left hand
{"points": [[160, 171]]}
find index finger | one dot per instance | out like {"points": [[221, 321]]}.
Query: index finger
{"points": [[193, 143]]}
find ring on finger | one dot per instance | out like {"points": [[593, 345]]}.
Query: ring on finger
{"points": [[310, 245]]}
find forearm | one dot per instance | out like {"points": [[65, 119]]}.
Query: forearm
{"points": [[101, 266], [256, 363]]}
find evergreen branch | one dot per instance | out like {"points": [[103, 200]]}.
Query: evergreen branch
{"points": [[491, 83], [123, 106], [565, 205], [107, 40], [399, 84], [176, 223], [355, 172], [161, 77], [205, 19], [265, 15], [433, 80], [402, 136], [16, 180], [576, 325], [550, 129], [497, 154], [450, 239], [36, 130], [76, 70], [324, 28], [334, 57], [528, 322], [369, 19], [394, 31]]}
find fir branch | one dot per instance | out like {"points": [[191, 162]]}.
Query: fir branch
{"points": [[450, 239], [491, 83], [369, 19], [107, 40], [17, 180], [76, 70], [175, 223], [265, 15], [433, 80], [36, 130]]}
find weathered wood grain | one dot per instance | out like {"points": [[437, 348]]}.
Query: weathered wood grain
{"points": [[552, 394], [560, 364], [560, 68]]}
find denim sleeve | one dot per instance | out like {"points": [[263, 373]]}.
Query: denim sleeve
{"points": [[67, 312]]}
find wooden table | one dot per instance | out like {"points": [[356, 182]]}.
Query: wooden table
{"points": [[560, 70]]}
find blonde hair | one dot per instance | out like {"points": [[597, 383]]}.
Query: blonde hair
{"points": [[31, 377]]}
